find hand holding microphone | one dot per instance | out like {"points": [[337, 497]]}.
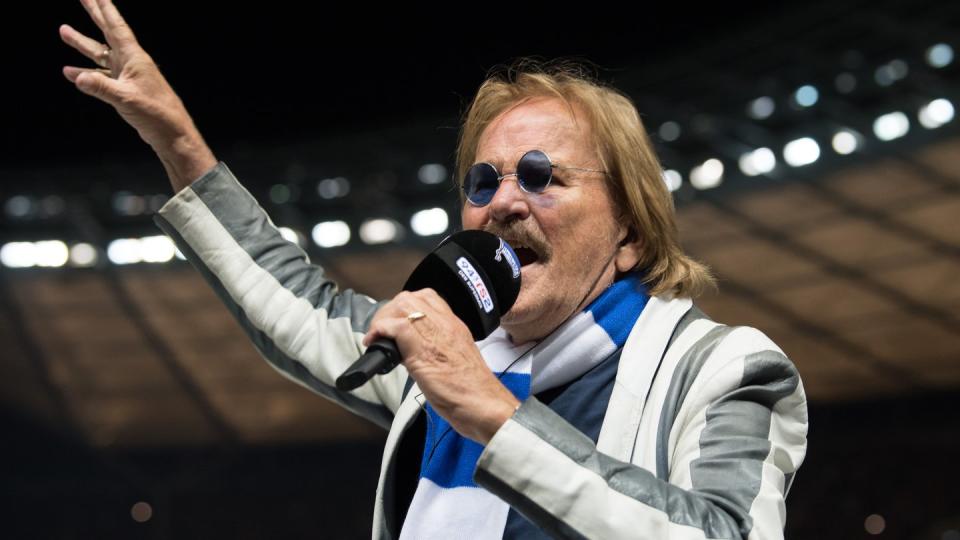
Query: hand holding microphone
{"points": [[458, 293], [474, 272]]}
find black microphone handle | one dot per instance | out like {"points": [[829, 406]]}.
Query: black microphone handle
{"points": [[381, 357]]}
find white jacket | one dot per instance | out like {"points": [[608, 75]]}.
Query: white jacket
{"points": [[705, 427]]}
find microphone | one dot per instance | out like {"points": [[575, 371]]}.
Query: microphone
{"points": [[475, 272]]}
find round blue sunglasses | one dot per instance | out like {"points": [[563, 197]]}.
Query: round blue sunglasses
{"points": [[534, 173]]}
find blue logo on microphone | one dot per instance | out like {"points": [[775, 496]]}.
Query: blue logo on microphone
{"points": [[512, 259]]}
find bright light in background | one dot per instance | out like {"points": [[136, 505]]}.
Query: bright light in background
{"points": [[331, 234], [156, 249], [432, 173], [332, 188], [891, 126], [673, 179], [124, 251], [291, 235], [759, 161], [669, 131], [761, 108], [940, 55], [49, 253], [707, 175], [430, 222], [845, 142], [18, 255], [800, 152], [806, 96], [378, 231], [83, 254], [936, 113]]}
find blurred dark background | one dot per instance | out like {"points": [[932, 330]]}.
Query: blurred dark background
{"points": [[811, 149]]}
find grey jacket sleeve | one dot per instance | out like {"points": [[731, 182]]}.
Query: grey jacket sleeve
{"points": [[738, 438], [297, 318]]}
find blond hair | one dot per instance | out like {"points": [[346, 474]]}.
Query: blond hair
{"points": [[634, 176]]}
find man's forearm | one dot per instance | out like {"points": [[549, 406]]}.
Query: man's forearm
{"points": [[295, 315]]}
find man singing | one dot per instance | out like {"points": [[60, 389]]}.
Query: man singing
{"points": [[605, 405]]}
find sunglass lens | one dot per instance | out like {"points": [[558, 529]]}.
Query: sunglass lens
{"points": [[481, 184], [534, 171]]}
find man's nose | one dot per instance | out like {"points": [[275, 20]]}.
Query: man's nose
{"points": [[509, 202]]}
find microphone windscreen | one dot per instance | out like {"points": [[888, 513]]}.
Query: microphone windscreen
{"points": [[476, 273]]}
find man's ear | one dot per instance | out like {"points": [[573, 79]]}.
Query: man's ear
{"points": [[628, 250]]}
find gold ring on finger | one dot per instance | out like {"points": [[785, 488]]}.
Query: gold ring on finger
{"points": [[103, 59]]}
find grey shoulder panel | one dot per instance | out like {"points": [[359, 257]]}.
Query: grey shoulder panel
{"points": [[736, 438], [241, 216], [683, 376]]}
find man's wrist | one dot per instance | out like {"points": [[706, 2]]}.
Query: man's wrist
{"points": [[186, 159], [498, 416]]}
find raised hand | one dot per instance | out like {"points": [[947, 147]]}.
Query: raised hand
{"points": [[129, 80]]}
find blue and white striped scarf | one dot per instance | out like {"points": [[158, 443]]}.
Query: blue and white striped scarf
{"points": [[447, 503]]}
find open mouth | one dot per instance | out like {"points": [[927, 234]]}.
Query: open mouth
{"points": [[526, 255]]}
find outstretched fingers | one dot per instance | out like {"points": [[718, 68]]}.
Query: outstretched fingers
{"points": [[91, 48], [93, 9], [117, 31]]}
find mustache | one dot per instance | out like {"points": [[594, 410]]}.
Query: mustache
{"points": [[518, 233]]}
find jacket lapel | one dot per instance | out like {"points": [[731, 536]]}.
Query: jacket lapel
{"points": [[641, 357], [404, 418]]}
